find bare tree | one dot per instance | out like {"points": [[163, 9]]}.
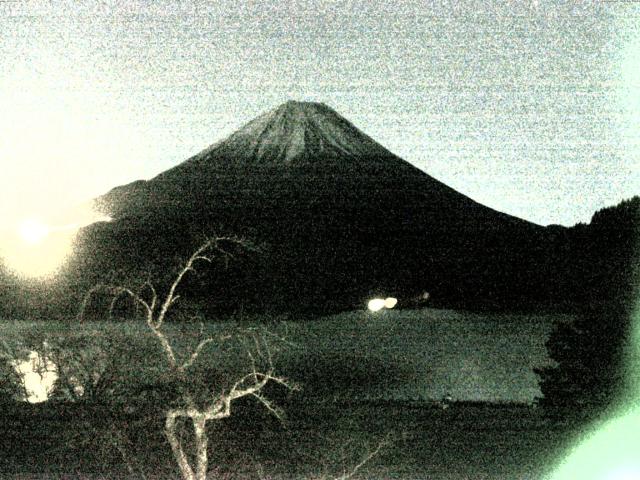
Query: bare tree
{"points": [[346, 465], [217, 405]]}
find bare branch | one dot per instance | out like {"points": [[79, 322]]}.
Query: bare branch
{"points": [[119, 440], [201, 257], [154, 295], [279, 338], [366, 459], [198, 255], [83, 305], [164, 342], [116, 291], [277, 412], [112, 305], [222, 407], [238, 390], [174, 300], [198, 350]]}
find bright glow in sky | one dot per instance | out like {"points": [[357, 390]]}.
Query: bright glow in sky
{"points": [[33, 231], [37, 248], [38, 257], [531, 108]]}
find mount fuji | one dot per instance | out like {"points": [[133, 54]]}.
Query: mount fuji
{"points": [[340, 218]]}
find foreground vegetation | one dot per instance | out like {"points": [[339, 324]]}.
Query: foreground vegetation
{"points": [[471, 441], [366, 388]]}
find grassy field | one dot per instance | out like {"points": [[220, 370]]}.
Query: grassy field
{"points": [[366, 379], [463, 442]]}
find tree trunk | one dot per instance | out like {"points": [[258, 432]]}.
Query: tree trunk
{"points": [[200, 432], [176, 447], [202, 462]]}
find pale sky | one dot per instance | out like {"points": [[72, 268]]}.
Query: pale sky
{"points": [[532, 108]]}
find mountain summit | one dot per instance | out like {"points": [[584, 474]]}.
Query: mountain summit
{"points": [[341, 216], [296, 134], [300, 131]]}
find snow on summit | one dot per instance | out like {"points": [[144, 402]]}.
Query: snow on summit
{"points": [[296, 132]]}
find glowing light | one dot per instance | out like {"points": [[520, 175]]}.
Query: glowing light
{"points": [[375, 304], [38, 374], [39, 257], [38, 249], [33, 231], [390, 302]]}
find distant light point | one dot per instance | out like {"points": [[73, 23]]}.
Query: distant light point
{"points": [[377, 304]]}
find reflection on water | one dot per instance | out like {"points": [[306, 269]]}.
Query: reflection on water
{"points": [[38, 374]]}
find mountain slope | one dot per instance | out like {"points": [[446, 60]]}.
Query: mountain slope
{"points": [[296, 144], [340, 216]]}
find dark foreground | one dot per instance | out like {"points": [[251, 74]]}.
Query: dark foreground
{"points": [[321, 440]]}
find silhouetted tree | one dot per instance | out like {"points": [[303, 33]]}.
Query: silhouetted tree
{"points": [[590, 351]]}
